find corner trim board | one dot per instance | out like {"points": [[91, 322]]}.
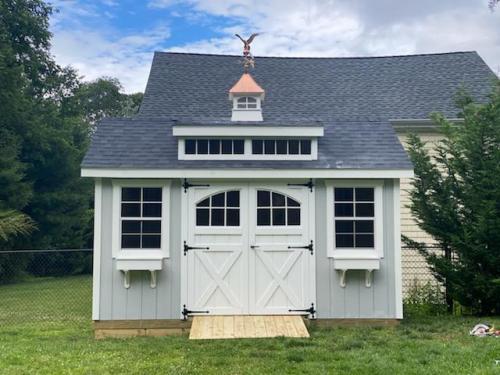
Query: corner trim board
{"points": [[96, 280], [397, 250]]}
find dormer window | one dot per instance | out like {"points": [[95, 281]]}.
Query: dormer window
{"points": [[246, 102], [247, 142]]}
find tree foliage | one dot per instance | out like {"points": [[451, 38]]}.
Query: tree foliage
{"points": [[46, 117], [13, 223], [456, 199], [102, 98]]}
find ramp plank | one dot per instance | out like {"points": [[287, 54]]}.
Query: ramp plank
{"points": [[196, 328], [271, 327], [228, 327], [218, 330], [300, 328], [247, 326]]}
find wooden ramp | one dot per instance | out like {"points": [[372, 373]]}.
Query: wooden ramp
{"points": [[247, 326]]}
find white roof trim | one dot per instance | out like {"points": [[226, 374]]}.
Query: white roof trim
{"points": [[246, 173], [247, 131]]}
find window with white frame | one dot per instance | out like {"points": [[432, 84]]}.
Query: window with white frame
{"points": [[246, 102], [281, 147], [214, 146], [355, 219], [248, 148], [354, 216], [219, 210], [140, 218], [141, 213], [275, 209]]}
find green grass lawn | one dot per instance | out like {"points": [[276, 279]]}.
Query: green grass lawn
{"points": [[55, 346]]}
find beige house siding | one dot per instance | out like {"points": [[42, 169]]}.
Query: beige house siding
{"points": [[414, 266]]}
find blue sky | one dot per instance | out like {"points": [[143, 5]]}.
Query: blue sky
{"points": [[117, 37]]}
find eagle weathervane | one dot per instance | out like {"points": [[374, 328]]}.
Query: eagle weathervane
{"points": [[248, 60]]}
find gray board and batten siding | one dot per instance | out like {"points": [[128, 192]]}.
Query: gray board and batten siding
{"points": [[141, 301]]}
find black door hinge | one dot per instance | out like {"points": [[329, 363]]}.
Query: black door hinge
{"points": [[310, 311], [185, 312], [187, 248], [186, 185], [309, 184], [309, 247]]}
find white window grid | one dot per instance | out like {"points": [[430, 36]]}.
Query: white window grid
{"points": [[225, 207], [247, 150], [141, 202], [287, 141], [355, 217], [246, 102], [271, 207], [209, 147]]}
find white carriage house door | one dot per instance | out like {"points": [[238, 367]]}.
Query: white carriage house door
{"points": [[218, 274], [281, 264], [250, 249]]}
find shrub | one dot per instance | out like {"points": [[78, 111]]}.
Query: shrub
{"points": [[456, 199], [425, 299]]}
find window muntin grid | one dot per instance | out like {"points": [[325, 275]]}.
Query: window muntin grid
{"points": [[354, 217], [219, 210], [140, 217]]}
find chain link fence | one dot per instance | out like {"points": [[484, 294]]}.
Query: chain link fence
{"points": [[45, 286], [56, 285], [415, 270]]}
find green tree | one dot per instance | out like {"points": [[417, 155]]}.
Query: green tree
{"points": [[102, 98], [47, 115], [456, 199], [13, 223], [41, 149]]}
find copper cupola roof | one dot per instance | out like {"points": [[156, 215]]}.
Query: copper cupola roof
{"points": [[246, 85]]}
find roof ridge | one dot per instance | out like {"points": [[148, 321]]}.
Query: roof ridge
{"points": [[319, 57]]}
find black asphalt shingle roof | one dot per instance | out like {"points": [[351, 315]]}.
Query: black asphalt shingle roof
{"points": [[352, 98], [367, 88], [142, 143]]}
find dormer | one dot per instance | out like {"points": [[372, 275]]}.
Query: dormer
{"points": [[247, 97]]}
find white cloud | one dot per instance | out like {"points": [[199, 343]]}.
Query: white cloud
{"points": [[95, 54], [354, 28], [110, 3], [288, 27]]}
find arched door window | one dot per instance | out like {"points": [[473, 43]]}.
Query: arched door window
{"points": [[219, 210], [275, 209]]}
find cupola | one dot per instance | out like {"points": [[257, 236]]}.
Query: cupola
{"points": [[246, 94], [247, 97]]}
